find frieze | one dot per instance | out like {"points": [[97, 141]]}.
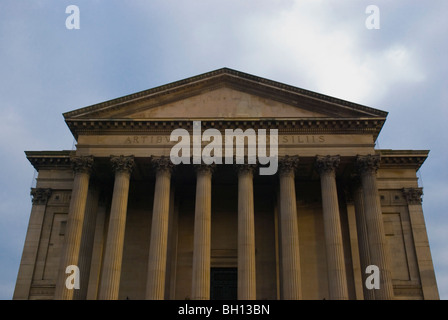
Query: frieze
{"points": [[164, 139], [285, 139], [60, 198]]}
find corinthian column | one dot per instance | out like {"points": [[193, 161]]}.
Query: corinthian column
{"points": [[367, 167], [86, 247], [110, 279], [70, 253], [361, 228], [289, 229], [155, 286], [202, 234], [337, 279], [246, 234]]}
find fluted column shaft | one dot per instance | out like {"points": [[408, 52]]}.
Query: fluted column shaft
{"points": [[337, 278], [202, 234], [246, 234], [70, 253], [110, 279], [291, 286], [155, 286], [86, 246], [363, 239], [367, 166]]}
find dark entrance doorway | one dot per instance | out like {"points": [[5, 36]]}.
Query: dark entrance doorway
{"points": [[224, 283]]}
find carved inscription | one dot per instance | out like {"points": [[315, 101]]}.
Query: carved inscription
{"points": [[147, 140], [301, 139], [283, 139]]}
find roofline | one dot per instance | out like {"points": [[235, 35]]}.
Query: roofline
{"points": [[222, 72]]}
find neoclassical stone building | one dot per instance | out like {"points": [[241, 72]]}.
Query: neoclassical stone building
{"points": [[138, 226]]}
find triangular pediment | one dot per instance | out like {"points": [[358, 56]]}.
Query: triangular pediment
{"points": [[228, 94], [221, 103]]}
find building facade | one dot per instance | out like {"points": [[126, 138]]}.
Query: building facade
{"points": [[116, 218]]}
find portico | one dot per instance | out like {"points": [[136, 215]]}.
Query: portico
{"points": [[160, 230]]}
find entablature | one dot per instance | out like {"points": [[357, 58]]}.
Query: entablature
{"points": [[161, 126], [49, 159]]}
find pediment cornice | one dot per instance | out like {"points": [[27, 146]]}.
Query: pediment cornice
{"points": [[298, 126], [182, 89]]}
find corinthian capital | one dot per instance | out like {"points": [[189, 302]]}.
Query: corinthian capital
{"points": [[205, 168], [122, 163], [288, 164], [413, 195], [82, 164], [245, 168], [40, 195], [368, 163], [162, 163], [327, 164]]}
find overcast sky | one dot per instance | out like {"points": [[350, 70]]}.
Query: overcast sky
{"points": [[124, 47]]}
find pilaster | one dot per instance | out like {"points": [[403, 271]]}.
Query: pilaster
{"points": [[428, 281], [40, 198]]}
